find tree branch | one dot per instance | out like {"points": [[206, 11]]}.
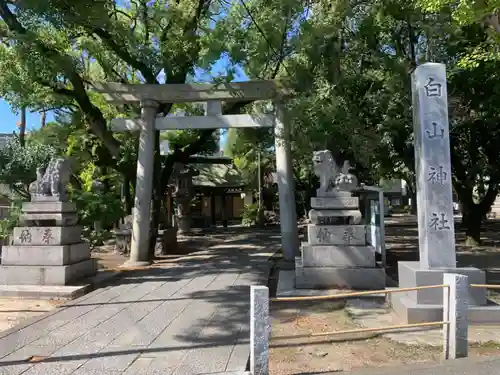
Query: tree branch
{"points": [[95, 116], [122, 53], [56, 89]]}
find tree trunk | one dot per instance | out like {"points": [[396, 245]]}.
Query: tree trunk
{"points": [[127, 197], [473, 214], [412, 193], [43, 119], [22, 127], [472, 219]]}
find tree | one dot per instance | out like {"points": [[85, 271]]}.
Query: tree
{"points": [[467, 12], [18, 164], [353, 68], [55, 50]]}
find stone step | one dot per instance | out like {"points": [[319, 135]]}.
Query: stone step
{"points": [[336, 234], [48, 218], [335, 217], [47, 275], [47, 235], [335, 203], [339, 278], [47, 207], [46, 255], [337, 256], [410, 312], [411, 275]]}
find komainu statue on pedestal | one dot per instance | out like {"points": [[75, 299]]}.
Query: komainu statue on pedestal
{"points": [[51, 183], [345, 180], [325, 167], [331, 179]]}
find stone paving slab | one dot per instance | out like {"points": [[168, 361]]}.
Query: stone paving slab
{"points": [[192, 318]]}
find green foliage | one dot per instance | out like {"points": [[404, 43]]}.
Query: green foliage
{"points": [[250, 215], [93, 207], [18, 164], [7, 225], [464, 11]]}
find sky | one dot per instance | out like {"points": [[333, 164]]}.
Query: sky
{"points": [[9, 118]]}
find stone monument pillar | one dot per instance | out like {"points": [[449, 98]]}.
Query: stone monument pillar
{"points": [[336, 255], [47, 249], [434, 204]]}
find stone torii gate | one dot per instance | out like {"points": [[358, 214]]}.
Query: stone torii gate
{"points": [[149, 98]]}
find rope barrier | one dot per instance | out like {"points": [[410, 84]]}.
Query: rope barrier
{"points": [[355, 294], [488, 286], [362, 330]]}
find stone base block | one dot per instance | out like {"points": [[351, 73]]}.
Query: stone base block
{"points": [[48, 255], [336, 234], [49, 292], [341, 202], [48, 219], [411, 275], [47, 275], [411, 312], [286, 288], [46, 235], [48, 207], [335, 217], [337, 256], [339, 278]]}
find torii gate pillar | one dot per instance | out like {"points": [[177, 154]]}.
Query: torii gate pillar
{"points": [[139, 246], [286, 184]]}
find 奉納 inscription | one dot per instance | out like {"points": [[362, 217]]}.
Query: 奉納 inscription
{"points": [[323, 235], [439, 221], [437, 175], [47, 236], [433, 88], [435, 132], [25, 236]]}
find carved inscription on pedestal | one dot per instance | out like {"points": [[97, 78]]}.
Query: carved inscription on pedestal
{"points": [[336, 234], [25, 236], [47, 236]]}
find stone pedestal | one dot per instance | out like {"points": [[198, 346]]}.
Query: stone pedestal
{"points": [[47, 249], [426, 305], [336, 255]]}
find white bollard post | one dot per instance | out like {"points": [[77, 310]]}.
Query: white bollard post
{"points": [[455, 300], [260, 330]]}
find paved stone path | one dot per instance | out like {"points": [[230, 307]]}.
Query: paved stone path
{"points": [[187, 317]]}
